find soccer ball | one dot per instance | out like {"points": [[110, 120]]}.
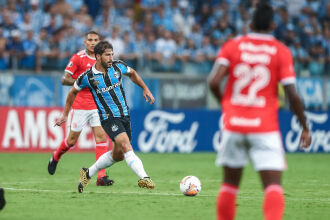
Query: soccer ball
{"points": [[190, 186]]}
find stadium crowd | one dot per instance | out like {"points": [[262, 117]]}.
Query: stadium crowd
{"points": [[156, 35]]}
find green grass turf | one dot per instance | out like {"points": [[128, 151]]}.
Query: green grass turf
{"points": [[31, 193]]}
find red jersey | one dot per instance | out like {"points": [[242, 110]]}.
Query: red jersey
{"points": [[257, 63], [78, 64]]}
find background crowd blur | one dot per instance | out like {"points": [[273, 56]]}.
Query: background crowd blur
{"points": [[177, 36]]}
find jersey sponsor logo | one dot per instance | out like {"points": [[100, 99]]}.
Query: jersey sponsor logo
{"points": [[255, 58], [257, 48], [114, 127], [106, 89], [70, 64]]}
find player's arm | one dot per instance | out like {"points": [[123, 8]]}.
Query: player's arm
{"points": [[67, 79], [218, 73], [134, 77], [78, 85], [68, 104], [297, 108], [70, 69]]}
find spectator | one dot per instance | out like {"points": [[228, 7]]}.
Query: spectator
{"points": [[300, 56], [29, 51], [116, 41], [3, 52], [317, 59], [7, 24], [43, 50], [165, 53], [15, 49], [129, 55], [183, 20]]}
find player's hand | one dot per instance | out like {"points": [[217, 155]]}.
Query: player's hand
{"points": [[60, 120], [305, 139], [148, 97]]}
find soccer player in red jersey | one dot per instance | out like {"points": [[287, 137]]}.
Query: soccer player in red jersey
{"points": [[83, 109], [255, 64]]}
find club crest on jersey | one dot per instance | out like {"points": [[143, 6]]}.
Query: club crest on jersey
{"points": [[114, 128], [116, 74], [95, 83], [70, 64]]}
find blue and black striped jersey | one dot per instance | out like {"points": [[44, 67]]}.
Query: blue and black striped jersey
{"points": [[107, 89]]}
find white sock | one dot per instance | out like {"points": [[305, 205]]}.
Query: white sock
{"points": [[135, 164], [104, 161]]}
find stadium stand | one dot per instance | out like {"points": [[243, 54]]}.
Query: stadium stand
{"points": [[176, 36]]}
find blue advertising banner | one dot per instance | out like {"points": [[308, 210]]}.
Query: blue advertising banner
{"points": [[311, 91], [189, 131], [28, 90]]}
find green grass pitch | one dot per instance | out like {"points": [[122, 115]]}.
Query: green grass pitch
{"points": [[31, 193]]}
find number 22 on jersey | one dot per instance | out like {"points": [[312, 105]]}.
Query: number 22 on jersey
{"points": [[253, 79]]}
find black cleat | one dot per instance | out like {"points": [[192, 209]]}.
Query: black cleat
{"points": [[2, 198], [84, 179], [104, 181], [52, 166]]}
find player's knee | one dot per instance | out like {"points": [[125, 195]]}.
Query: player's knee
{"points": [[118, 156], [125, 147], [71, 141], [100, 137]]}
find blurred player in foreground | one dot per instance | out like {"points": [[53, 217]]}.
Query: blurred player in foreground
{"points": [[254, 64], [2, 198], [104, 80], [83, 109]]}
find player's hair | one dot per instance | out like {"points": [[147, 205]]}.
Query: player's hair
{"points": [[101, 47], [92, 32], [262, 17]]}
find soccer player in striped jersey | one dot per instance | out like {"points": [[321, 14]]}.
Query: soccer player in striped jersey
{"points": [[104, 80], [254, 63], [83, 110]]}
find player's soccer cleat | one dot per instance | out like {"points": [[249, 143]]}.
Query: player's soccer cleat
{"points": [[52, 166], [84, 179], [146, 182], [104, 181]]}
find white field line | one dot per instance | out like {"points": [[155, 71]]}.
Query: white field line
{"points": [[157, 194]]}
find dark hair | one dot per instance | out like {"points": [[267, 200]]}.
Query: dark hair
{"points": [[262, 17], [92, 32], [101, 47]]}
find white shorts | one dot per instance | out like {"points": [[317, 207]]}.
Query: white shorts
{"points": [[264, 149], [78, 119]]}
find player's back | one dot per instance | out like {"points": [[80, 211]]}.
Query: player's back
{"points": [[257, 62], [78, 64]]}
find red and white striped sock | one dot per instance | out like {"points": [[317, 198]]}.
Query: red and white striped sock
{"points": [[64, 147], [100, 149], [226, 202], [273, 202]]}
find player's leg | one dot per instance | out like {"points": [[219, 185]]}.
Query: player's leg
{"points": [[267, 155], [66, 144], [100, 149], [77, 120], [133, 161], [226, 202], [232, 155]]}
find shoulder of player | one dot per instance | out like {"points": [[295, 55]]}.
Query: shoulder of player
{"points": [[87, 73], [119, 62], [280, 46]]}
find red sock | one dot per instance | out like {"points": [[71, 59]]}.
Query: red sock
{"points": [[273, 202], [64, 147], [226, 206], [101, 148]]}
